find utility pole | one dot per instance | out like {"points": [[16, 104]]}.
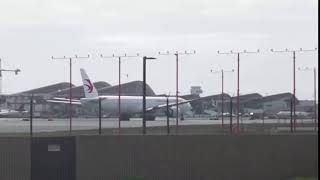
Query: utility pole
{"points": [[238, 79], [16, 71], [222, 92], [177, 54], [294, 77], [70, 58], [315, 92], [119, 83], [144, 128]]}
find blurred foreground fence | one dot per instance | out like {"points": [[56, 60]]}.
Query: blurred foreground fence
{"points": [[184, 157]]}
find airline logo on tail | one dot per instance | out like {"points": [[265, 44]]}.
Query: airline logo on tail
{"points": [[89, 90], [89, 85]]}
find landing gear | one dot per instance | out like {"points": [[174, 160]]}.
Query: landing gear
{"points": [[124, 117], [150, 118], [181, 117]]}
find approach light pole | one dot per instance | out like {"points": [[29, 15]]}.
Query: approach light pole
{"points": [[16, 71], [176, 54], [238, 79], [119, 83], [222, 91], [294, 76], [70, 58], [315, 91], [144, 130]]}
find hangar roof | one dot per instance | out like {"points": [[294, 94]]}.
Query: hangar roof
{"points": [[278, 96], [247, 97], [133, 88], [47, 89]]}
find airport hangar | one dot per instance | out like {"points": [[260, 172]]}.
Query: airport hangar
{"points": [[254, 102]]}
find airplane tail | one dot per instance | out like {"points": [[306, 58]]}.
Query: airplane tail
{"points": [[89, 90]]}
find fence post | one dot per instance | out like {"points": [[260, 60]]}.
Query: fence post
{"points": [[99, 115], [291, 128], [31, 115], [168, 126], [230, 116]]}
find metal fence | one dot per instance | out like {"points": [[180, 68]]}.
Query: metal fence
{"points": [[193, 157], [15, 158], [31, 123]]}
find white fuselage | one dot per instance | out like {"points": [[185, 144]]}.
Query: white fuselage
{"points": [[11, 113], [132, 104]]}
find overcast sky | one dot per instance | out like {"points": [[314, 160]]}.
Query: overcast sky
{"points": [[31, 31]]}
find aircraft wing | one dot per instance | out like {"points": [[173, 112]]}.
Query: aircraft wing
{"points": [[64, 101], [161, 106]]}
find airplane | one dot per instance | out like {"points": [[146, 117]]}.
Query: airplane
{"points": [[130, 105], [10, 113], [287, 114]]}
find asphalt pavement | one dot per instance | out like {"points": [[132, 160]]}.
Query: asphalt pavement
{"points": [[17, 125]]}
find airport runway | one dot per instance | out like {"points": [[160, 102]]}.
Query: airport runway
{"points": [[12, 125]]}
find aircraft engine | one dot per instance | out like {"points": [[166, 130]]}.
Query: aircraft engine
{"points": [[173, 111]]}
